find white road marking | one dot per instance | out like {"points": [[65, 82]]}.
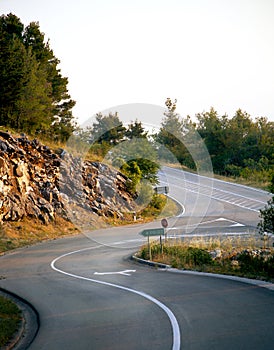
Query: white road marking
{"points": [[129, 241], [233, 224], [215, 180], [220, 194], [188, 235], [183, 209], [125, 273], [174, 323], [237, 225]]}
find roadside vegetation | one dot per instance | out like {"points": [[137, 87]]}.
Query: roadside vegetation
{"points": [[10, 318], [159, 207], [251, 257], [223, 256]]}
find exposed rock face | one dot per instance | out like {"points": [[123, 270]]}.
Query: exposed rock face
{"points": [[36, 182]]}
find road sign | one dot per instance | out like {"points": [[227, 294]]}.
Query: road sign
{"points": [[152, 232], [164, 223], [161, 189]]}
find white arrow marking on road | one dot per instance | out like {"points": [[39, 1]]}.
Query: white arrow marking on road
{"points": [[176, 334], [125, 273]]}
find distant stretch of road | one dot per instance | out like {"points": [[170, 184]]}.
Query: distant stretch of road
{"points": [[90, 295], [212, 205]]}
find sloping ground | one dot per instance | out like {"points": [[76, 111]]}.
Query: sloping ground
{"points": [[38, 183]]}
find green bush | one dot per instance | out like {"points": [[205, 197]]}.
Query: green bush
{"points": [[179, 256], [10, 317], [256, 265]]}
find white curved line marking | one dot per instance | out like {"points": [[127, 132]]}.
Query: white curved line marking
{"points": [[218, 180], [230, 201], [225, 192], [183, 209], [171, 316]]}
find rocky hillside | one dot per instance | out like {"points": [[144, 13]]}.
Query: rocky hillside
{"points": [[36, 182]]}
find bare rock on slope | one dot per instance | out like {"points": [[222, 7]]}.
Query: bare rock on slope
{"points": [[36, 182]]}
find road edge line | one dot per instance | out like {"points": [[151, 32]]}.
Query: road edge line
{"points": [[176, 334]]}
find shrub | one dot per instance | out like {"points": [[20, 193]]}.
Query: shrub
{"points": [[256, 265]]}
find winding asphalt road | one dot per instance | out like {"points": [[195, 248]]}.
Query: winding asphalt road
{"points": [[90, 295]]}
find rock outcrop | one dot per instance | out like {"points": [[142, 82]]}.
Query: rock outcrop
{"points": [[39, 183]]}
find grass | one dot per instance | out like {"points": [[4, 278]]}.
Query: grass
{"points": [[29, 231], [160, 207], [18, 234], [254, 182], [225, 256], [10, 318]]}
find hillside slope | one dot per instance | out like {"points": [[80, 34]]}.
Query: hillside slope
{"points": [[38, 183]]}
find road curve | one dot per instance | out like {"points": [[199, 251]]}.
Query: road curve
{"points": [[90, 295]]}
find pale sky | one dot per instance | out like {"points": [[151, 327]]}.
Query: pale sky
{"points": [[204, 53]]}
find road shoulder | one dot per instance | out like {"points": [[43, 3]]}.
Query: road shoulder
{"points": [[29, 325]]}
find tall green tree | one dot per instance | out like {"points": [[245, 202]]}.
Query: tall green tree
{"points": [[266, 224], [33, 109], [108, 129], [211, 128], [136, 129], [238, 146], [62, 104], [12, 66], [33, 94], [137, 152], [171, 136]]}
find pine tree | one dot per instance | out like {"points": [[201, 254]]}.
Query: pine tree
{"points": [[171, 136], [33, 93]]}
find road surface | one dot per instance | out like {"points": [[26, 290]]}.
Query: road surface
{"points": [[90, 295]]}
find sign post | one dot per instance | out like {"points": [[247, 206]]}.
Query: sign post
{"points": [[164, 223], [149, 248], [151, 232]]}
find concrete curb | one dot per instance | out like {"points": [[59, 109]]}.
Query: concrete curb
{"points": [[29, 326], [168, 268], [150, 263]]}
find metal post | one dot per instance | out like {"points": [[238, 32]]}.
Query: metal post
{"points": [[161, 244], [149, 248]]}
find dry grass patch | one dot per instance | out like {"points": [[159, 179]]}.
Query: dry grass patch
{"points": [[26, 232]]}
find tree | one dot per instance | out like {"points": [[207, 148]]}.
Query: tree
{"points": [[266, 225], [63, 121], [140, 152], [238, 146], [130, 150], [134, 174], [33, 108], [271, 186], [265, 131], [212, 129], [108, 129], [12, 66], [33, 93], [171, 135], [136, 129]]}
